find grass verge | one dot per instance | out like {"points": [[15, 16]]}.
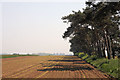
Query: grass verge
{"points": [[109, 66]]}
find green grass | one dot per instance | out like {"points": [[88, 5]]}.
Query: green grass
{"points": [[11, 56], [109, 66]]}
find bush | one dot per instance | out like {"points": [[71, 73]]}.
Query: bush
{"points": [[76, 54], [91, 58], [109, 66], [98, 62], [81, 54]]}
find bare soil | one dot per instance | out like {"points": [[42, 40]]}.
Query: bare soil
{"points": [[49, 67]]}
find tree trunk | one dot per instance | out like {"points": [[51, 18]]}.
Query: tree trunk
{"points": [[113, 53], [110, 46], [107, 47], [99, 49], [103, 50]]}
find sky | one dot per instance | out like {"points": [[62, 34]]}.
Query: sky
{"points": [[35, 26]]}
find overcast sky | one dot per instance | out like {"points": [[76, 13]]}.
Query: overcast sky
{"points": [[33, 27]]}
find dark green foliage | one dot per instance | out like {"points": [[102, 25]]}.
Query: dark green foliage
{"points": [[95, 30]]}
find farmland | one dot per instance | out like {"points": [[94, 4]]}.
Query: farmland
{"points": [[17, 55], [49, 67]]}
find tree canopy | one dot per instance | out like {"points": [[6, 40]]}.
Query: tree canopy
{"points": [[95, 30]]}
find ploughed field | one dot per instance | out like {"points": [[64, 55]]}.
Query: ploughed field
{"points": [[48, 67]]}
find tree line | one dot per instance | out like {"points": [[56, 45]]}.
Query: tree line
{"points": [[95, 30]]}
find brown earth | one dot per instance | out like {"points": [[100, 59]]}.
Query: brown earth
{"points": [[49, 67]]}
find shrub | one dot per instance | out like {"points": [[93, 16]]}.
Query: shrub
{"points": [[109, 66], [81, 54]]}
